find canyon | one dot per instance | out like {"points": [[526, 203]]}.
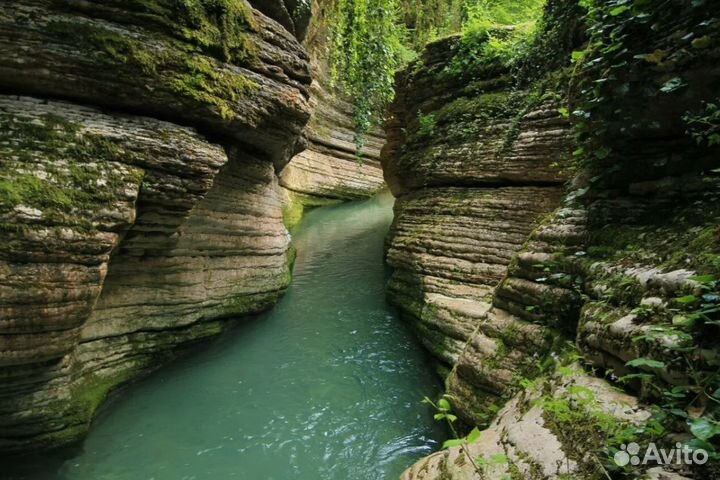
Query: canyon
{"points": [[555, 245]]}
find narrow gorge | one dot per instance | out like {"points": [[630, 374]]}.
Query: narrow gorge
{"points": [[548, 279]]}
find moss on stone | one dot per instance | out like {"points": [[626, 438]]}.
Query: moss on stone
{"points": [[55, 167], [684, 236], [293, 211], [218, 26], [204, 82], [297, 204], [170, 63]]}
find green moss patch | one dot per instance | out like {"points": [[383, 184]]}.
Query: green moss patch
{"points": [[220, 28], [59, 170], [172, 63]]}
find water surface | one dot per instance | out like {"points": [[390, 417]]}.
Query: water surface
{"points": [[327, 385]]}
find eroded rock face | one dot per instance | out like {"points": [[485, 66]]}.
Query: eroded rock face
{"points": [[124, 236], [622, 269], [332, 166], [526, 440], [475, 169], [252, 87]]}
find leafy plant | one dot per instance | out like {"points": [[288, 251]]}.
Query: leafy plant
{"points": [[366, 50], [426, 125], [445, 414], [705, 128], [495, 31]]}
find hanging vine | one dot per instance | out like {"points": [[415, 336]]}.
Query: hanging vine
{"points": [[366, 50]]}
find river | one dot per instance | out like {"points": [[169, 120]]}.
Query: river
{"points": [[327, 385]]}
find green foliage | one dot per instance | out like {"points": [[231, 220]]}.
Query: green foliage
{"points": [[495, 32], [623, 68], [370, 41], [427, 20], [487, 15], [687, 347], [589, 434], [704, 428], [426, 125], [558, 32], [444, 413], [645, 362], [366, 50], [705, 128]]}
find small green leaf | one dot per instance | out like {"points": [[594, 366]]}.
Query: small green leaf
{"points": [[645, 362], [443, 404], [439, 416], [703, 428], [686, 300], [603, 153], [672, 85], [697, 444], [685, 321], [679, 413], [619, 10], [455, 442], [704, 279], [473, 436], [450, 417]]}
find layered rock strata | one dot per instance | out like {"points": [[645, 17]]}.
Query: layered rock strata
{"points": [[622, 276], [125, 236], [475, 169], [334, 166]]}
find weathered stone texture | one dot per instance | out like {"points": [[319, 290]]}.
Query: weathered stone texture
{"points": [[112, 56], [332, 165], [523, 441], [123, 237], [623, 269], [475, 169]]}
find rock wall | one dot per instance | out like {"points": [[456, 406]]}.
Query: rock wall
{"points": [[528, 293], [331, 168], [139, 201], [474, 168]]}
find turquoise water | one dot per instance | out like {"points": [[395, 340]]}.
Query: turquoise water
{"points": [[325, 386]]}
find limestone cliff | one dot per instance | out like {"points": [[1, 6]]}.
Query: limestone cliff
{"points": [[139, 201], [529, 274], [471, 187]]}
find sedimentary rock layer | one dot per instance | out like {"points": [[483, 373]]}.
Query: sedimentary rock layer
{"points": [[475, 170], [333, 165], [524, 441], [124, 236], [252, 87], [623, 275]]}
